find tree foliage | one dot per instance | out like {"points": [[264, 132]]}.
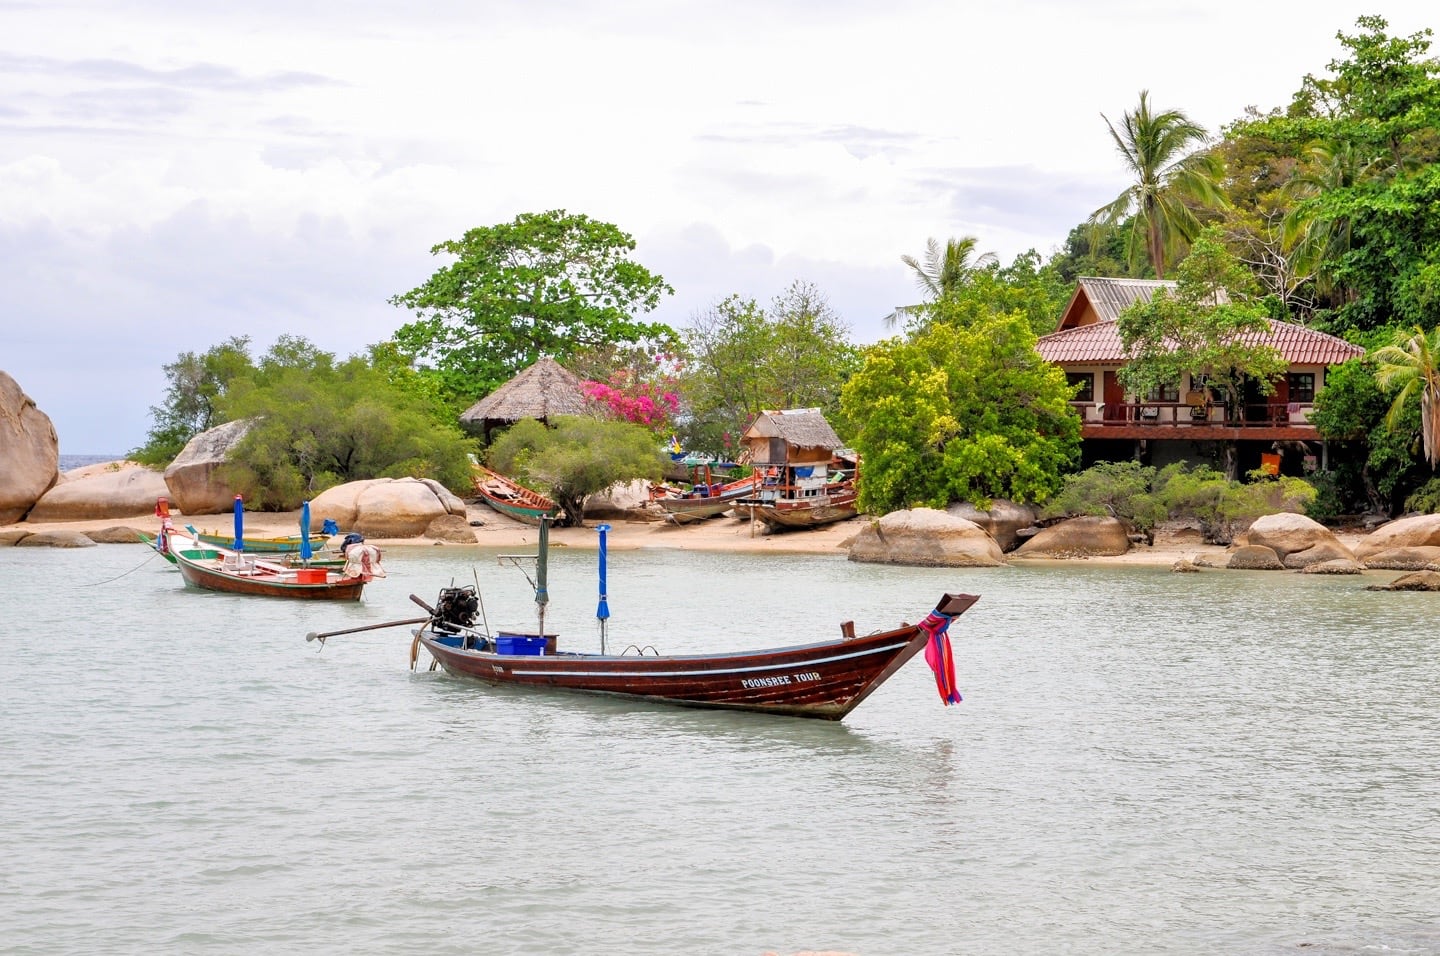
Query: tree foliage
{"points": [[960, 412], [741, 359], [1202, 329], [1122, 490], [576, 457], [197, 382], [320, 423], [947, 268], [1410, 370], [548, 283], [1374, 467]]}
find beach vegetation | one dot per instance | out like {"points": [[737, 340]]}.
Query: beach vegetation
{"points": [[576, 456], [963, 409], [741, 358], [195, 384]]}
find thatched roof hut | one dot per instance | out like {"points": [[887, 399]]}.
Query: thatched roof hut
{"points": [[796, 435], [544, 389]]}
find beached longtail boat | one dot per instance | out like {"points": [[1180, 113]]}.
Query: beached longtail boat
{"points": [[704, 500], [825, 679], [511, 498]]}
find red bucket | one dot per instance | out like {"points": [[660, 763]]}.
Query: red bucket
{"points": [[310, 575]]}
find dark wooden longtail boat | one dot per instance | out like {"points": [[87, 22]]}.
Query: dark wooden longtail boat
{"points": [[824, 680], [239, 573]]}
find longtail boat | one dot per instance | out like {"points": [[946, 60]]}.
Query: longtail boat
{"points": [[825, 680], [704, 500], [790, 496], [276, 544], [240, 572], [510, 497]]}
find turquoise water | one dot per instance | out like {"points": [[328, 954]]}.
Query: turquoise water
{"points": [[1144, 763]]}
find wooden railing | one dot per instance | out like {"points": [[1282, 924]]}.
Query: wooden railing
{"points": [[1259, 415]]}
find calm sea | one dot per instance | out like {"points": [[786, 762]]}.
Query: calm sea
{"points": [[68, 462], [1144, 762]]}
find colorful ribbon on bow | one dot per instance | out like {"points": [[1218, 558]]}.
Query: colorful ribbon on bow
{"points": [[939, 655]]}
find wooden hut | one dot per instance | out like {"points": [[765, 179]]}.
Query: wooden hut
{"points": [[806, 478], [797, 436], [544, 389]]}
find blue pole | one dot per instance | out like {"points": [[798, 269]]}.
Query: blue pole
{"points": [[239, 524], [603, 611], [305, 551]]}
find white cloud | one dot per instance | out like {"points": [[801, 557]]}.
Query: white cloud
{"points": [[175, 173]]}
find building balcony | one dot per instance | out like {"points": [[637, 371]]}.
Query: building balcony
{"points": [[1269, 421]]}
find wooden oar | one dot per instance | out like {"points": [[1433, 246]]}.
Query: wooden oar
{"points": [[368, 627]]}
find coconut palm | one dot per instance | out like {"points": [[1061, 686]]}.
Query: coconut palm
{"points": [[1166, 179], [947, 268], [1410, 366]]}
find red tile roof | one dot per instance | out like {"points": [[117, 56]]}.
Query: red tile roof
{"points": [[1099, 344]]}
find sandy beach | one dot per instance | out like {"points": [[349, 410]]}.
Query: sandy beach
{"points": [[724, 533]]}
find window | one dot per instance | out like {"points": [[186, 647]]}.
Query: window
{"points": [[1086, 381], [1302, 386], [1164, 393]]}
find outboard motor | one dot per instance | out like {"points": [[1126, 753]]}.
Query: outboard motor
{"points": [[456, 608]]}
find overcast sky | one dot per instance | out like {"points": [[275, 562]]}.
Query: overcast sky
{"points": [[174, 172]]}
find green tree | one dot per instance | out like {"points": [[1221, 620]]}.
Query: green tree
{"points": [[547, 283], [1373, 466], [741, 359], [1206, 328], [1120, 490], [575, 458], [191, 405], [319, 423], [1410, 369], [1167, 179], [960, 412]]}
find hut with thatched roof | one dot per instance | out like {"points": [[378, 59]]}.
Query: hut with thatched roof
{"points": [[544, 389], [796, 436]]}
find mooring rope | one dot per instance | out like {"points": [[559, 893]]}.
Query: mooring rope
{"points": [[153, 554]]}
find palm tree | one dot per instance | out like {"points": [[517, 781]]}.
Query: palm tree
{"points": [[1411, 366], [1153, 145], [946, 269]]}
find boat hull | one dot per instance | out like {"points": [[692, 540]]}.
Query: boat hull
{"points": [[687, 508], [512, 499], [824, 681], [805, 512], [201, 570]]}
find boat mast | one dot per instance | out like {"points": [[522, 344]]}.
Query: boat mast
{"points": [[542, 592]]}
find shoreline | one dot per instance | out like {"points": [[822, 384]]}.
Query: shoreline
{"points": [[720, 534]]}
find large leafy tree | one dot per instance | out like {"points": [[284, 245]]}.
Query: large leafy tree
{"points": [[576, 457], [1162, 151], [1206, 328], [550, 283], [1373, 463], [197, 381], [319, 422], [962, 411], [742, 359]]}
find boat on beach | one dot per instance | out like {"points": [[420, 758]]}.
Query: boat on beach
{"points": [[823, 679], [511, 498], [807, 479], [703, 500]]}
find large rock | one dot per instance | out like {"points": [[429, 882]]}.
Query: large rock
{"points": [[383, 507], [1414, 581], [1402, 559], [925, 537], [622, 500], [1254, 557], [55, 539], [116, 489], [1002, 522], [1290, 534], [1077, 538], [1416, 531], [193, 480], [29, 451], [451, 528]]}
